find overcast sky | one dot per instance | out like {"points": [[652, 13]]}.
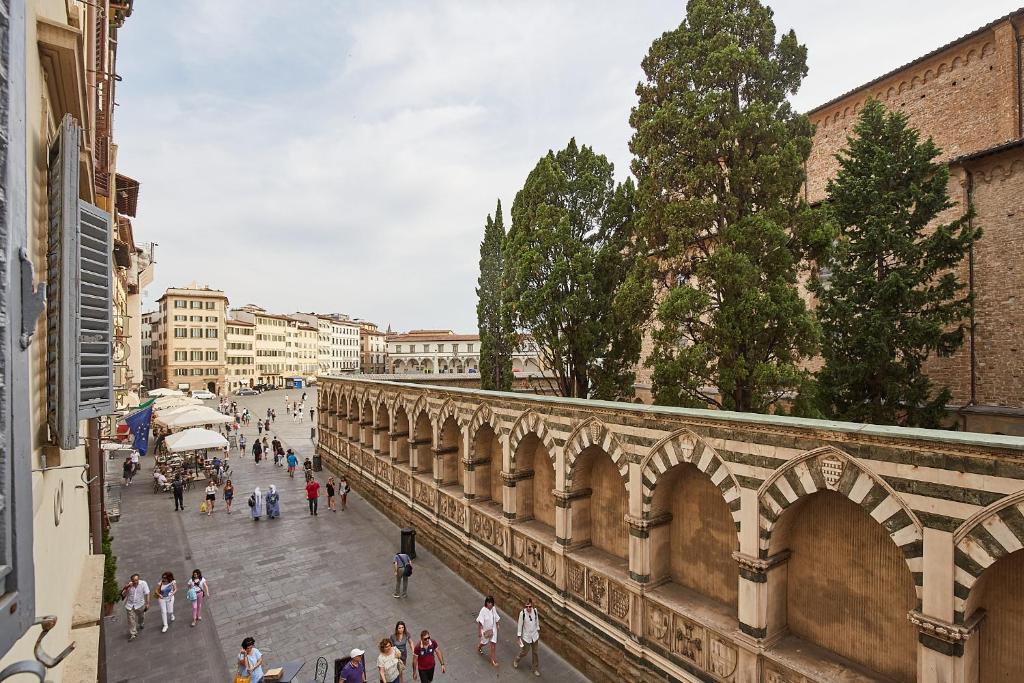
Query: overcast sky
{"points": [[338, 156]]}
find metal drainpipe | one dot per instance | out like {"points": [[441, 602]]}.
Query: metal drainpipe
{"points": [[1020, 79], [970, 289], [92, 452]]}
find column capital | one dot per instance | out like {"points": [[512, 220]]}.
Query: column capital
{"points": [[943, 636], [510, 478], [563, 499], [641, 528], [755, 568]]}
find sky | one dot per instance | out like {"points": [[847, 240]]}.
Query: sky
{"points": [[342, 156]]}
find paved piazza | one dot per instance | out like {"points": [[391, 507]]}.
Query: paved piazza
{"points": [[303, 587]]}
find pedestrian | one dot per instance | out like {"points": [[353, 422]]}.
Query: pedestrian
{"points": [[295, 415], [268, 413], [273, 414], [293, 461], [354, 671], [313, 495], [259, 427], [487, 629], [303, 395], [344, 488], [307, 466], [241, 444], [266, 447], [276, 445], [250, 662], [388, 662], [165, 591], [211, 497], [330, 495], [311, 410], [528, 632], [403, 570], [135, 461], [178, 489], [423, 656], [136, 601], [286, 401], [128, 471], [298, 415], [229, 495], [273, 503], [257, 450], [400, 639], [256, 504], [198, 590], [266, 426]]}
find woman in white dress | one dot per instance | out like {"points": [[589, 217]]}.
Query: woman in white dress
{"points": [[487, 629]]}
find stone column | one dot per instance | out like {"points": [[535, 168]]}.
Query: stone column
{"points": [[572, 518], [649, 548], [379, 435], [762, 594]]}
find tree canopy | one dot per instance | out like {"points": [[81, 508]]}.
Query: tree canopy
{"points": [[496, 340]]}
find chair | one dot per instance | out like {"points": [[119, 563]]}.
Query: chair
{"points": [[320, 675]]}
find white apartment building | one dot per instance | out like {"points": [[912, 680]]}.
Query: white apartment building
{"points": [[337, 343], [240, 354], [270, 344]]}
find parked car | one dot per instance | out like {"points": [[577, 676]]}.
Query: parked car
{"points": [[203, 394], [246, 391]]}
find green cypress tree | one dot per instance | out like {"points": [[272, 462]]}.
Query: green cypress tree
{"points": [[496, 342], [575, 274], [719, 158], [892, 297]]}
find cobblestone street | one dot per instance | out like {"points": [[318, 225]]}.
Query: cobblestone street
{"points": [[303, 586]]}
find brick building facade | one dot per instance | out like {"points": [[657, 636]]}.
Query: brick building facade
{"points": [[968, 96]]}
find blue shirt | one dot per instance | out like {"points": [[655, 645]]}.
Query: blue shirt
{"points": [[353, 673], [292, 460]]}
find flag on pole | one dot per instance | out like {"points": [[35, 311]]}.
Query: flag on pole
{"points": [[138, 422]]}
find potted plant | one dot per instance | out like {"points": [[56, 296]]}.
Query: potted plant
{"points": [[111, 589]]}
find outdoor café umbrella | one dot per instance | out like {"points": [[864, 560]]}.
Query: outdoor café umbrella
{"points": [[195, 417], [175, 402], [194, 440], [165, 392]]}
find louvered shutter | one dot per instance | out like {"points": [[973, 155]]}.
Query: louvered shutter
{"points": [[62, 290], [96, 319]]}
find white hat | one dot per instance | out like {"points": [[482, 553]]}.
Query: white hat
{"points": [[355, 652]]}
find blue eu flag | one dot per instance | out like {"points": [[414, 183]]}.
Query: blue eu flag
{"points": [[138, 423]]}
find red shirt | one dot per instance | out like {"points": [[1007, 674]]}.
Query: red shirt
{"points": [[312, 490], [425, 655]]}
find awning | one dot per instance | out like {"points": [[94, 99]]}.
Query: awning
{"points": [[127, 195]]}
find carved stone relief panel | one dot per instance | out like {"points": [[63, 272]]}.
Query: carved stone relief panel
{"points": [[658, 624], [487, 530], [597, 591], [688, 640], [619, 602], [453, 510], [577, 579], [774, 673], [402, 481], [722, 657], [424, 493]]}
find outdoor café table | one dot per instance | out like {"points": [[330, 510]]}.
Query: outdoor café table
{"points": [[289, 670]]}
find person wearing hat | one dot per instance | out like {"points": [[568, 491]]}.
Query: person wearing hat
{"points": [[355, 670]]}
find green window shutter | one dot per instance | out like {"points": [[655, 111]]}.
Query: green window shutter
{"points": [[96, 314], [62, 290]]}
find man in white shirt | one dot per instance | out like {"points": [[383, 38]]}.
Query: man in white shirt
{"points": [[487, 628], [135, 461], [529, 635], [136, 601]]}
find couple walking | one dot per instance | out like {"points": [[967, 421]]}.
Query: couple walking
{"points": [[527, 633], [272, 501]]}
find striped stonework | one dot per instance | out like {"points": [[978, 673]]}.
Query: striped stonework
{"points": [[483, 415], [593, 432], [684, 447], [413, 410], [448, 410], [993, 533], [530, 423], [830, 469]]}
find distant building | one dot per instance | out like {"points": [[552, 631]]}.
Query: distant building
{"points": [[337, 343], [240, 354], [150, 320], [192, 331], [373, 348]]}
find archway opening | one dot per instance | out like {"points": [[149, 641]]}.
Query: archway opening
{"points": [[487, 465], [449, 453], [382, 429], [535, 499], [352, 429], [692, 547], [1000, 592], [366, 425], [400, 435], [600, 504], [422, 442], [848, 587]]}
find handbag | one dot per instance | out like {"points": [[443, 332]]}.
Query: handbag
{"points": [[202, 507], [489, 633], [192, 595], [239, 678]]}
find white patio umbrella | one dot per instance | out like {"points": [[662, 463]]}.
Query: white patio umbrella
{"points": [[194, 440], [194, 416], [165, 392], [164, 413], [175, 401]]}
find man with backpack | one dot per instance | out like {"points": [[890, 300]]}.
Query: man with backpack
{"points": [[403, 570], [528, 632]]}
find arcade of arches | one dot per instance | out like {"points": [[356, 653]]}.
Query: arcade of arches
{"points": [[706, 546]]}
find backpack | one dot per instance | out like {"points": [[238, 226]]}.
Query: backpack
{"points": [[405, 562], [252, 500], [408, 568]]}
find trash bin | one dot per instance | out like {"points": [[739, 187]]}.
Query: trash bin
{"points": [[318, 464], [409, 543]]}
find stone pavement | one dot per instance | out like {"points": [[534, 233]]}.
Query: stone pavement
{"points": [[303, 586]]}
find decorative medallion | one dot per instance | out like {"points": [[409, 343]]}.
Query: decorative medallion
{"points": [[831, 471], [595, 432]]}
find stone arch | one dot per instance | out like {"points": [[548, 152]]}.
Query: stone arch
{"points": [[448, 409], [483, 415], [986, 537], [593, 432], [683, 446], [530, 423], [830, 469], [414, 408]]}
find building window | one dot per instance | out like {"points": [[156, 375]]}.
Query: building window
{"points": [[211, 305], [211, 332], [180, 355], [469, 347], [181, 318], [211, 318], [211, 355], [196, 355], [195, 304], [196, 332], [180, 303], [180, 332], [195, 318]]}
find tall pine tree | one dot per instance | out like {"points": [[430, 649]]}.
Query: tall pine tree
{"points": [[496, 339], [576, 274], [892, 297], [719, 158]]}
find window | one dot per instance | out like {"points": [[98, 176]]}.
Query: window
{"points": [[181, 372], [180, 303], [211, 305], [181, 318], [180, 332], [195, 318], [211, 355], [440, 347], [180, 355], [195, 304], [469, 347], [195, 332], [211, 318], [196, 355]]}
